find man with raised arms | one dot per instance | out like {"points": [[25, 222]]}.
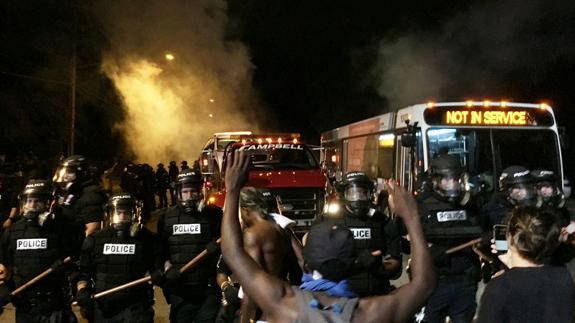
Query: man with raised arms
{"points": [[329, 257]]}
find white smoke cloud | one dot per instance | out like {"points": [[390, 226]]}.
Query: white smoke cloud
{"points": [[483, 52], [168, 103]]}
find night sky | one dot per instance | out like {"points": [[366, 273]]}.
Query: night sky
{"points": [[316, 64]]}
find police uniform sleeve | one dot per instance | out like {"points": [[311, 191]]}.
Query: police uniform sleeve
{"points": [[87, 258], [160, 242], [5, 253], [393, 240]]}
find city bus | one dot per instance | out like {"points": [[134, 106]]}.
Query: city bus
{"points": [[486, 136]]}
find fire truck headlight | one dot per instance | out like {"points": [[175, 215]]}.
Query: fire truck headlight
{"points": [[332, 208]]}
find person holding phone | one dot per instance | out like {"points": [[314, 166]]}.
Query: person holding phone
{"points": [[529, 291]]}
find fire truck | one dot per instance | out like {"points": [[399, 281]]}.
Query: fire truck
{"points": [[282, 164]]}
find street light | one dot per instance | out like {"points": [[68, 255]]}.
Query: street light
{"points": [[169, 57]]}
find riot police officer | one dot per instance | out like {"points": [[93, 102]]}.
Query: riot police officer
{"points": [[36, 242], [123, 251], [449, 220], [376, 240], [79, 195], [186, 230], [516, 188]]}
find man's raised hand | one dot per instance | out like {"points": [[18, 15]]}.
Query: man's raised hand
{"points": [[237, 170], [400, 201]]}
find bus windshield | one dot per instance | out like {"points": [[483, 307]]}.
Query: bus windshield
{"points": [[482, 150]]}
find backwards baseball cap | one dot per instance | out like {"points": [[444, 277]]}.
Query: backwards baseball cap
{"points": [[256, 198], [329, 250]]}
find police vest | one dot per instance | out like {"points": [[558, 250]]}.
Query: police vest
{"points": [[188, 235], [449, 225], [118, 261], [444, 221], [368, 235], [35, 249]]}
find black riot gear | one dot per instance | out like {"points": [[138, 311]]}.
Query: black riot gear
{"points": [[518, 184], [189, 190], [71, 172], [356, 190], [548, 193], [448, 179], [35, 199], [123, 213]]}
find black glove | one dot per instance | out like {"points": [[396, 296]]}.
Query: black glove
{"points": [[84, 297], [57, 266], [212, 248], [158, 277], [5, 296], [172, 275], [365, 260], [231, 294], [437, 253]]}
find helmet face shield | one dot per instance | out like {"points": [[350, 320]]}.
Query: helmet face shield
{"points": [[122, 212], [354, 193], [523, 194], [65, 174], [189, 196], [34, 205], [546, 190], [449, 185]]}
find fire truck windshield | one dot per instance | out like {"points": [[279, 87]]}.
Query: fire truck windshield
{"points": [[481, 150], [283, 159]]}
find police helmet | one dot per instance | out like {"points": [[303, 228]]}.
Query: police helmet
{"points": [[35, 199], [446, 173], [189, 190], [71, 170], [518, 184], [356, 190], [548, 193], [122, 212]]}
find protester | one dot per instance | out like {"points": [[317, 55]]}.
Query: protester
{"points": [[529, 291], [329, 257]]}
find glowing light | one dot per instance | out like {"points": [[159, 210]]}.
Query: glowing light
{"points": [[332, 208], [169, 57], [260, 141], [387, 140], [295, 140], [430, 104], [243, 141], [334, 158], [212, 100], [279, 140], [469, 104], [269, 140], [210, 115], [205, 162], [543, 106], [212, 200], [486, 103], [503, 104]]}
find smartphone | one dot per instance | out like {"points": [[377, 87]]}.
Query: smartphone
{"points": [[500, 237]]}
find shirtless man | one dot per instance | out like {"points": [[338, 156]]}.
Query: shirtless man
{"points": [[264, 240], [326, 247]]}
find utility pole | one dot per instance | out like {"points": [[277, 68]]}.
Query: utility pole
{"points": [[73, 37], [72, 101]]}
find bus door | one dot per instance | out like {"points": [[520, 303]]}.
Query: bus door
{"points": [[409, 159]]}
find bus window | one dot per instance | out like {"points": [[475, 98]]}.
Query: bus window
{"points": [[482, 150]]}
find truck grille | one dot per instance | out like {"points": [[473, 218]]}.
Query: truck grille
{"points": [[300, 204]]}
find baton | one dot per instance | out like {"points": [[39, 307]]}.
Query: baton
{"points": [[147, 278], [37, 278], [462, 246]]}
